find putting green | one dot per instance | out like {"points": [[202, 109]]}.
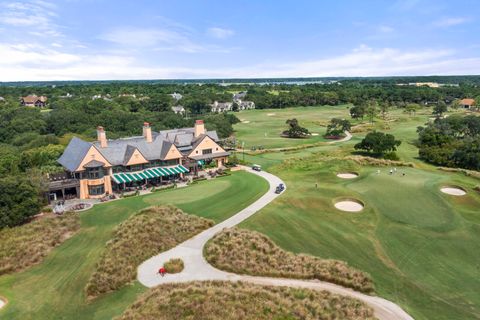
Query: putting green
{"points": [[54, 288], [420, 246]]}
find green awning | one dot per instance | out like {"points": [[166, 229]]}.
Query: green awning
{"points": [[151, 173], [117, 179], [159, 172], [185, 170]]}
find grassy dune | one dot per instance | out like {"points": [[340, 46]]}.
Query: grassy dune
{"points": [[241, 301], [247, 252], [145, 234], [54, 289], [27, 245]]}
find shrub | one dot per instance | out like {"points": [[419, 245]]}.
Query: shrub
{"points": [[29, 244], [19, 200], [249, 252], [217, 300], [174, 265], [142, 236], [391, 156]]}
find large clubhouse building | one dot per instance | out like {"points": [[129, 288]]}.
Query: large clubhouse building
{"points": [[97, 169]]}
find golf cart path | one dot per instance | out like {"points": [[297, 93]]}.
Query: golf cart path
{"points": [[198, 269], [347, 137]]}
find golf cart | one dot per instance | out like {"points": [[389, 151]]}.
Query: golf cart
{"points": [[280, 188], [257, 167]]}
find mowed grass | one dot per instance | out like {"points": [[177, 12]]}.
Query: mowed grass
{"points": [[265, 126], [54, 289], [420, 246]]}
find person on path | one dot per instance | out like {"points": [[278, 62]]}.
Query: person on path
{"points": [[316, 185], [378, 171], [391, 171], [162, 271]]}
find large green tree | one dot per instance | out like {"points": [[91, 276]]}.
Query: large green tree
{"points": [[19, 200], [378, 143], [337, 127], [295, 130]]}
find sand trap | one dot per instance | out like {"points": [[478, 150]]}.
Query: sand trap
{"points": [[347, 175], [314, 134], [270, 114], [453, 191], [245, 121], [349, 205]]}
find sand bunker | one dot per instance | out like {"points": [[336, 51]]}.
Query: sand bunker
{"points": [[347, 175], [270, 114], [314, 134], [454, 191], [349, 205], [245, 121]]}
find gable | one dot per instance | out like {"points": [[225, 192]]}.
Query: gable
{"points": [[136, 158], [206, 143], [92, 154], [172, 153]]}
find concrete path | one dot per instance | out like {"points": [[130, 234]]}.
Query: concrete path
{"points": [[347, 137], [198, 269]]}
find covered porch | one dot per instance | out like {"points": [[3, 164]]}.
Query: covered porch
{"points": [[152, 177]]}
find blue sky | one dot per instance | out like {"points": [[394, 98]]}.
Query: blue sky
{"points": [[107, 39]]}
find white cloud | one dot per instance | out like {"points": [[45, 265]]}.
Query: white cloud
{"points": [[34, 15], [385, 29], [138, 37], [220, 33], [451, 21], [158, 39], [34, 62]]}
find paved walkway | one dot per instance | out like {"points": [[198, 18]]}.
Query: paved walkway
{"points": [[197, 268], [347, 137]]}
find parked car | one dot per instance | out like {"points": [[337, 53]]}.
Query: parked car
{"points": [[257, 167]]}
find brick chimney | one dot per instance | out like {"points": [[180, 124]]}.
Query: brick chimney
{"points": [[199, 128], [147, 131], [102, 137]]}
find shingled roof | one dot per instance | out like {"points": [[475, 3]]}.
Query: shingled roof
{"points": [[74, 153], [119, 151]]}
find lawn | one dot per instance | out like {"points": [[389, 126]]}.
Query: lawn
{"points": [[420, 246], [54, 289], [263, 127]]}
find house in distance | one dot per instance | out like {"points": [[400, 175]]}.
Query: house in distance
{"points": [[34, 101]]}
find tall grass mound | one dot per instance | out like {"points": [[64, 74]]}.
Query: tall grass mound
{"points": [[248, 252], [241, 301], [174, 266], [29, 244], [140, 237]]}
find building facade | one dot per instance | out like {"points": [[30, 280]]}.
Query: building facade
{"points": [[96, 169], [34, 101]]}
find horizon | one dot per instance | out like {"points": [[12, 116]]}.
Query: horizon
{"points": [[44, 41], [246, 81]]}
